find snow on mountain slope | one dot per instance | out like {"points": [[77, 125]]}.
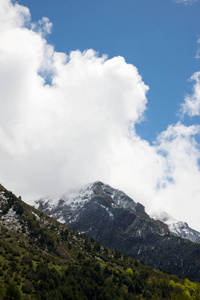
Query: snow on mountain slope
{"points": [[109, 216], [67, 207], [178, 228], [74, 198]]}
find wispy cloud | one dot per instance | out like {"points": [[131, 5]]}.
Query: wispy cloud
{"points": [[198, 49], [191, 105], [186, 2]]}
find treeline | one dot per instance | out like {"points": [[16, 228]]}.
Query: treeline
{"points": [[91, 279], [41, 259]]}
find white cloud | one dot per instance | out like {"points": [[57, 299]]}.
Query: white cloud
{"points": [[55, 136], [12, 15], [180, 193], [164, 176], [198, 49], [185, 1], [191, 105], [64, 121], [42, 27]]}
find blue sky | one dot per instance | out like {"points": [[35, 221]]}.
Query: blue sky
{"points": [[102, 90], [158, 37]]}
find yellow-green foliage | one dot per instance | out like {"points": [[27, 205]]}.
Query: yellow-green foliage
{"points": [[186, 291], [47, 260], [129, 271]]}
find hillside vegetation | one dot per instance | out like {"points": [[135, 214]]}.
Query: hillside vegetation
{"points": [[43, 259], [111, 217]]}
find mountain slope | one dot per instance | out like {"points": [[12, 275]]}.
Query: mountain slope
{"points": [[43, 259], [70, 204], [127, 228], [178, 228]]}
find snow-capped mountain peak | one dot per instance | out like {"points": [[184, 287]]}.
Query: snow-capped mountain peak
{"points": [[62, 208], [69, 207], [176, 227]]}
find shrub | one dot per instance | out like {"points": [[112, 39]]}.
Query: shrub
{"points": [[12, 292], [27, 287]]}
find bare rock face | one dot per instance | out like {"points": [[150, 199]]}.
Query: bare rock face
{"points": [[108, 215], [178, 228], [140, 208]]}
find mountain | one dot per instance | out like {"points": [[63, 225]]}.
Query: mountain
{"points": [[111, 217], [178, 228], [43, 259], [68, 207]]}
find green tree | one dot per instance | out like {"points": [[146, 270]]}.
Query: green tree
{"points": [[12, 292]]}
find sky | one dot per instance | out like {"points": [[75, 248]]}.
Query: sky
{"points": [[102, 90]]}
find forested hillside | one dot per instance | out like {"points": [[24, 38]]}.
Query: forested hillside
{"points": [[108, 215], [43, 259]]}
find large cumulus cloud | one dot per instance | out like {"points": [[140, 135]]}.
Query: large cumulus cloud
{"points": [[60, 115], [66, 120]]}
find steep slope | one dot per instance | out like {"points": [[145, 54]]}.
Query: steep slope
{"points": [[178, 228], [68, 206], [43, 259], [127, 228]]}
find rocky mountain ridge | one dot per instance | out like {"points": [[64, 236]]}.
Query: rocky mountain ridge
{"points": [[69, 204], [178, 228], [66, 208], [114, 219], [42, 259]]}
